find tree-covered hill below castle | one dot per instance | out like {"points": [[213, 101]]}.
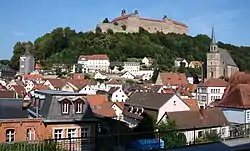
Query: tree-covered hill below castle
{"points": [[64, 45]]}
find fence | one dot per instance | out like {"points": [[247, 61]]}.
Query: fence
{"points": [[171, 138]]}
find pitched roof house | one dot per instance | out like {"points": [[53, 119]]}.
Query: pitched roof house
{"points": [[155, 104], [172, 79], [195, 123]]}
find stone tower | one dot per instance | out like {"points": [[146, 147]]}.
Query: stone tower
{"points": [[213, 59]]}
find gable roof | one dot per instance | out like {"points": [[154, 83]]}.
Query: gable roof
{"points": [[12, 108], [148, 99], [227, 57], [96, 99], [238, 97], [214, 83], [191, 103], [113, 89], [198, 119], [173, 78]]}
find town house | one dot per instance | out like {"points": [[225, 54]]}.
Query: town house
{"points": [[209, 91], [65, 114], [154, 104]]}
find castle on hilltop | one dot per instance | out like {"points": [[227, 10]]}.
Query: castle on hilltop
{"points": [[130, 23]]}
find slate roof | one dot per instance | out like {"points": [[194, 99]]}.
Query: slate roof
{"points": [[148, 99], [12, 108], [227, 57], [50, 109]]}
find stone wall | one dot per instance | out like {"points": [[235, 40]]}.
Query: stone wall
{"points": [[133, 22]]}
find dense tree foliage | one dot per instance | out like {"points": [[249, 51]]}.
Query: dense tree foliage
{"points": [[64, 45]]}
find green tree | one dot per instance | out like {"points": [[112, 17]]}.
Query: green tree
{"points": [[59, 72], [110, 31], [64, 45], [168, 132], [120, 68], [98, 30], [106, 20], [115, 23], [155, 75]]}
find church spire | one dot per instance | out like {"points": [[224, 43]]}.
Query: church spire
{"points": [[213, 42]]}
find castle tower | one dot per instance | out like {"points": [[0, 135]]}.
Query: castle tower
{"points": [[213, 59], [123, 13]]}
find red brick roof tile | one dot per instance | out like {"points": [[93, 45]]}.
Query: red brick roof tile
{"points": [[173, 78], [214, 83]]}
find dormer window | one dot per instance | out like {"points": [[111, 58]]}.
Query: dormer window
{"points": [[79, 107], [130, 109], [65, 107]]}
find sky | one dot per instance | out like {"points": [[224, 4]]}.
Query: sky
{"points": [[26, 20]]}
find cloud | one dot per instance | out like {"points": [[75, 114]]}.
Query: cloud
{"points": [[223, 21], [18, 33]]}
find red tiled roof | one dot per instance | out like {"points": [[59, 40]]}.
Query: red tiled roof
{"points": [[94, 57], [32, 76], [7, 94], [108, 112], [41, 87], [113, 81], [79, 83], [214, 83], [238, 97], [57, 83], [96, 99], [191, 103], [173, 78]]}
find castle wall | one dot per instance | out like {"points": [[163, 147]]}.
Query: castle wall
{"points": [[134, 22]]}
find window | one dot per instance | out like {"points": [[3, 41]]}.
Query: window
{"points": [[248, 114], [58, 133], [71, 133], [10, 135], [174, 102], [200, 134], [85, 132], [223, 131], [65, 108], [30, 134], [78, 107]]}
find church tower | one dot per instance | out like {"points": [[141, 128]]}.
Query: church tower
{"points": [[213, 59]]}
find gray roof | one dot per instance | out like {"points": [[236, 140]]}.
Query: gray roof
{"points": [[12, 108], [227, 57], [58, 93], [50, 108], [149, 100], [116, 64]]}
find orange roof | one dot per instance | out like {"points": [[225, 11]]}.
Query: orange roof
{"points": [[41, 87], [173, 78], [79, 83], [32, 76], [214, 83], [108, 112], [114, 81], [96, 99], [238, 97], [94, 57], [20, 90], [191, 103]]}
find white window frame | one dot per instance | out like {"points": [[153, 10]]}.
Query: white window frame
{"points": [[79, 107], [71, 133], [248, 115], [58, 132], [10, 135], [65, 108], [31, 134]]}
